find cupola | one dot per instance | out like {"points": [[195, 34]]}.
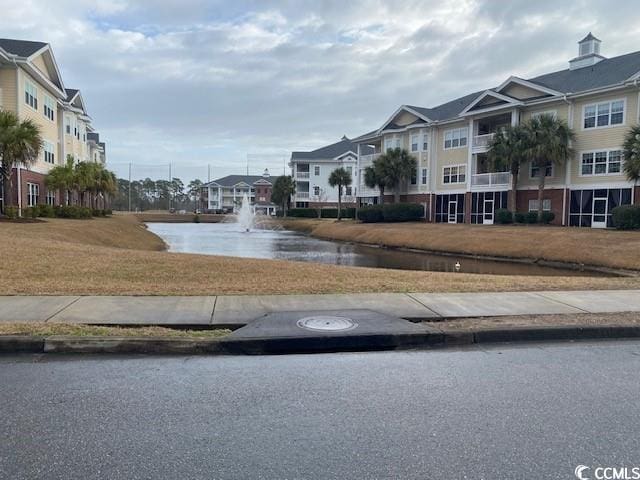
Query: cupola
{"points": [[588, 53]]}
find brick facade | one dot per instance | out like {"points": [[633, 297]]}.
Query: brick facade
{"points": [[555, 195]]}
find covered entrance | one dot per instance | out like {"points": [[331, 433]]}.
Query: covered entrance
{"points": [[484, 206], [592, 208], [450, 208]]}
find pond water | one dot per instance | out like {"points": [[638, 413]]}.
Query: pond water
{"points": [[230, 240]]}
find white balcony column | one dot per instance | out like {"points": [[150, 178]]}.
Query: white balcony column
{"points": [[469, 154], [514, 117]]}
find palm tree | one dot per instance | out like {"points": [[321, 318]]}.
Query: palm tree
{"points": [[282, 190], [20, 144], [547, 141], [340, 178], [83, 180], [397, 166], [506, 151], [374, 177], [631, 153], [60, 178], [105, 183]]}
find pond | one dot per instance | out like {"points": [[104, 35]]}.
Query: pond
{"points": [[229, 239]]}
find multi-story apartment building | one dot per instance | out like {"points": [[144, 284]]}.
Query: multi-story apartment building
{"points": [[31, 86], [311, 171], [599, 98], [225, 194]]}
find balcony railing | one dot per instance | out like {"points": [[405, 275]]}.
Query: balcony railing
{"points": [[490, 179], [302, 194], [302, 174], [483, 141]]}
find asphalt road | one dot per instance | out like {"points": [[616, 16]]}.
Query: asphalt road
{"points": [[508, 412]]}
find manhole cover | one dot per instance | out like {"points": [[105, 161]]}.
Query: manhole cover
{"points": [[326, 323]]}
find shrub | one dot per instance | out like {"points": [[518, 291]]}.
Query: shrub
{"points": [[547, 217], [72, 211], [371, 214], [503, 216], [303, 212], [520, 217], [333, 212], [402, 212], [531, 217], [108, 212], [196, 218], [11, 212], [394, 212], [31, 212], [46, 211], [626, 217]]}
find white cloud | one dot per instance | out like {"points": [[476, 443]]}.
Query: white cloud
{"points": [[201, 81]]}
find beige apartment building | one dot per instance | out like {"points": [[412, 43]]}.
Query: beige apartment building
{"points": [[599, 98], [31, 85]]}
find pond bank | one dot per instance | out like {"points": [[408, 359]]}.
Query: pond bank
{"points": [[600, 250]]}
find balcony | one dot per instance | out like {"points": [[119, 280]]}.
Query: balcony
{"points": [[302, 175], [302, 195], [496, 179], [481, 143]]}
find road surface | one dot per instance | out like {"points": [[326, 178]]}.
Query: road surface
{"points": [[503, 412]]}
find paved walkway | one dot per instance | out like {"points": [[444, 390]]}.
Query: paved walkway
{"points": [[235, 311]]}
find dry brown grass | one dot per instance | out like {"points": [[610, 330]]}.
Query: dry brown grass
{"points": [[118, 256], [50, 329], [523, 321], [177, 218], [608, 248]]}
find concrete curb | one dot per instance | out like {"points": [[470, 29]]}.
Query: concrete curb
{"points": [[320, 344]]}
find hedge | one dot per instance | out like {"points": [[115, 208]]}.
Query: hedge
{"points": [[72, 211], [349, 212], [626, 217], [504, 216], [394, 212]]}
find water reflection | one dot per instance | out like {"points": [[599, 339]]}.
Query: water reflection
{"points": [[230, 240]]}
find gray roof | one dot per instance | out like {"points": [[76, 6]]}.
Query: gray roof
{"points": [[589, 37], [608, 72], [71, 92], [22, 48], [231, 180], [330, 151]]}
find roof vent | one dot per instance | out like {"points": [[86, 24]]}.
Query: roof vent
{"points": [[588, 53]]}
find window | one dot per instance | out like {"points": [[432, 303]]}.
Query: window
{"points": [[350, 170], [49, 107], [602, 163], [548, 170], [455, 138], [391, 143], [32, 194], [51, 197], [424, 176], [415, 142], [316, 191], [67, 125], [348, 191], [546, 205], [414, 177], [31, 94], [454, 174], [604, 114], [316, 170], [49, 152], [425, 142]]}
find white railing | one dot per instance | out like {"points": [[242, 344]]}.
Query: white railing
{"points": [[483, 140], [490, 179], [366, 160], [302, 194], [302, 174]]}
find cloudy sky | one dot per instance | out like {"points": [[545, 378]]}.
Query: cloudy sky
{"points": [[197, 83]]}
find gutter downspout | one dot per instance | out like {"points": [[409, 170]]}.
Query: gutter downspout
{"points": [[18, 167]]}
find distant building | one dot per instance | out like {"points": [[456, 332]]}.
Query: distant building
{"points": [[311, 171], [224, 195]]}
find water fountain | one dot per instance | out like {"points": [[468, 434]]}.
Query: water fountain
{"points": [[246, 215]]}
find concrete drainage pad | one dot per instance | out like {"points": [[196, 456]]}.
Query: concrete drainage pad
{"points": [[326, 330]]}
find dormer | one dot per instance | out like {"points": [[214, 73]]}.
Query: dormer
{"points": [[588, 53]]}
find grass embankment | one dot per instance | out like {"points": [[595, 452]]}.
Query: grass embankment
{"points": [[525, 321], [51, 329], [604, 248], [118, 256]]}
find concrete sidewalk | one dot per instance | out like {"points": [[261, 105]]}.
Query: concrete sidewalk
{"points": [[236, 311]]}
